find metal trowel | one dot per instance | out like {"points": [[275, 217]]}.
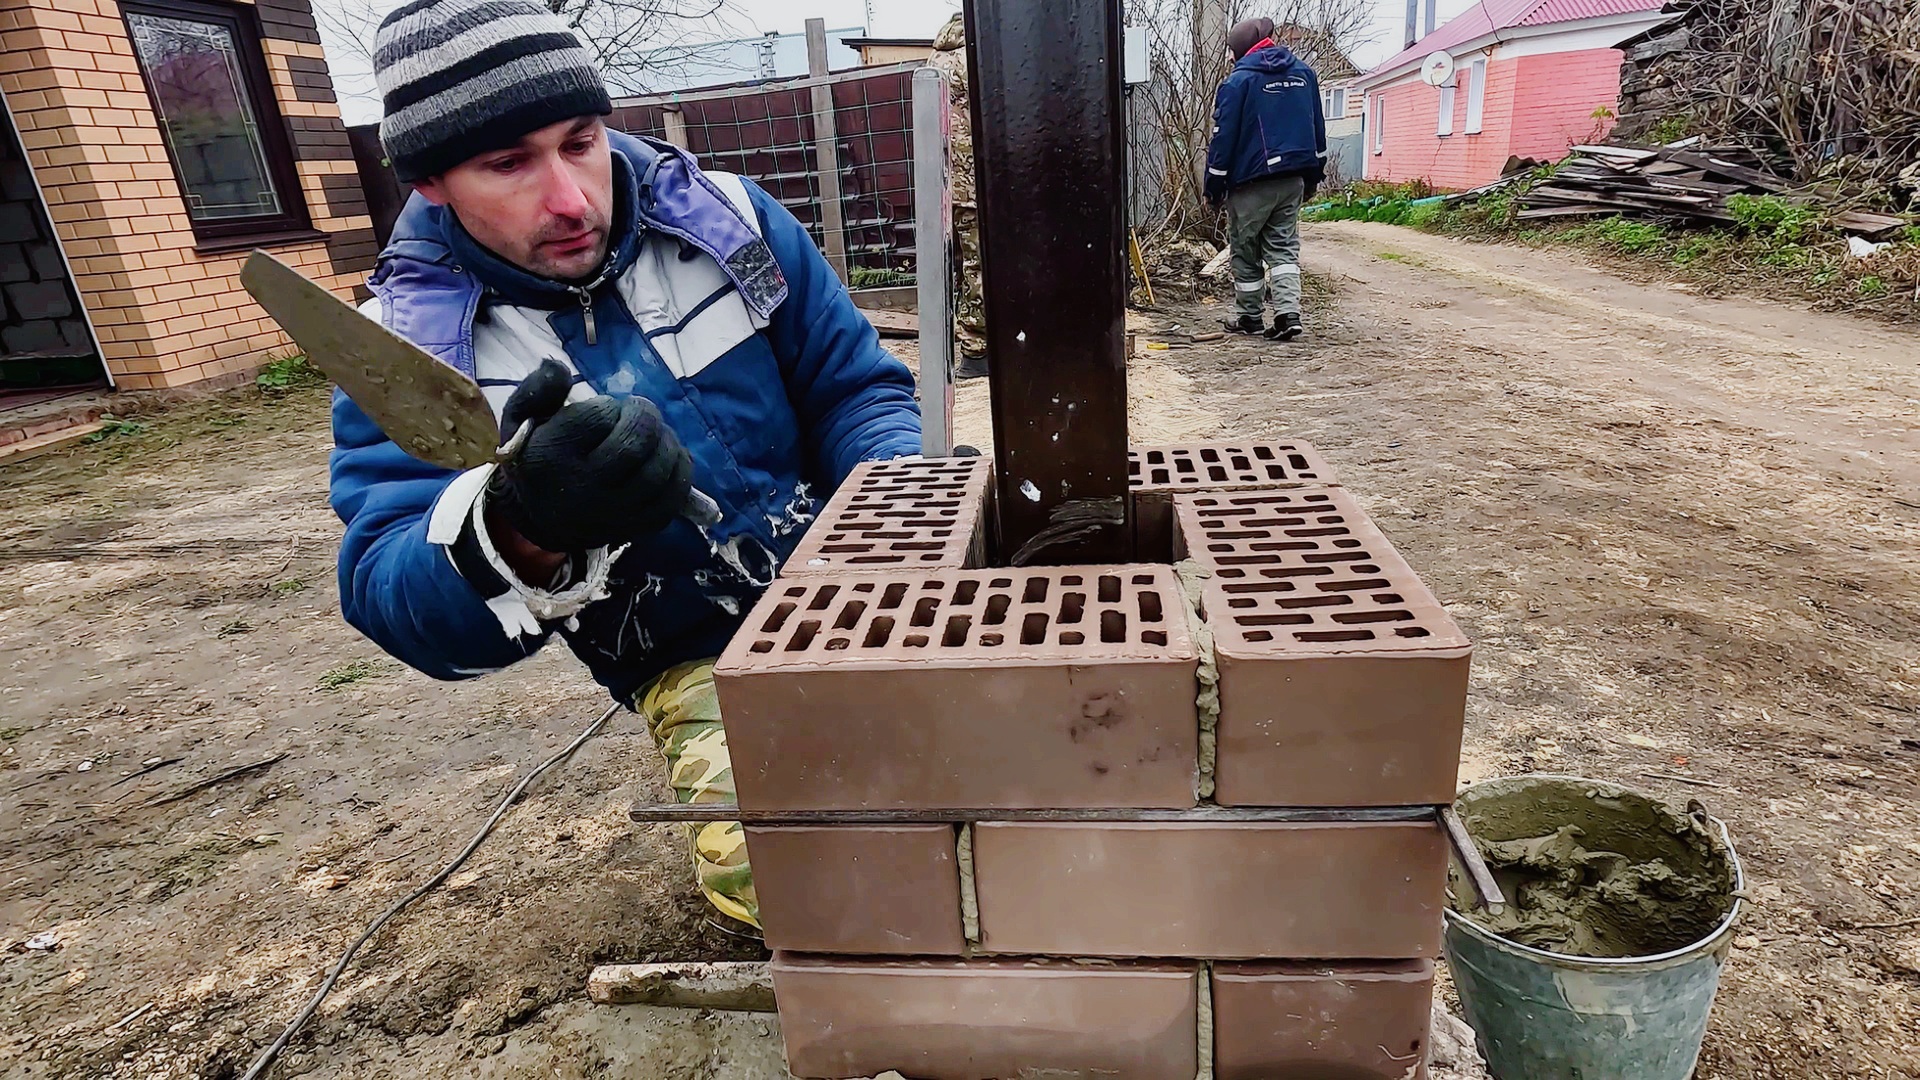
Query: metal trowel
{"points": [[427, 408]]}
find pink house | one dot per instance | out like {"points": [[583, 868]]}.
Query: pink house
{"points": [[1531, 78]]}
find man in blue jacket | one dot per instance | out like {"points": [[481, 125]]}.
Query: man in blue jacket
{"points": [[1269, 153], [659, 329]]}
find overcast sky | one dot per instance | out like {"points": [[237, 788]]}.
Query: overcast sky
{"points": [[891, 18]]}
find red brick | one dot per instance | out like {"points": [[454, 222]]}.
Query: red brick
{"points": [[973, 1020], [895, 515], [1351, 1021], [1326, 890], [965, 689], [1158, 473], [884, 890], [1343, 682]]}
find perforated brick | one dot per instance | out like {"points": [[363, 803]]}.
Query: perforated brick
{"points": [[976, 1020], [1354, 1021], [1331, 890], [900, 515], [868, 890], [1040, 688], [1158, 473], [1343, 682]]}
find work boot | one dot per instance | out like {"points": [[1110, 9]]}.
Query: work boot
{"points": [[1285, 327], [970, 367], [1245, 324]]}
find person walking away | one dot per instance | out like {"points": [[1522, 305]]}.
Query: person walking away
{"points": [[1268, 155], [657, 328], [970, 306]]}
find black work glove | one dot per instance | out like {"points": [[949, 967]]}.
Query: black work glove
{"points": [[592, 474]]}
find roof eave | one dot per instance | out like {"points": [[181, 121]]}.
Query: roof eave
{"points": [[1637, 19]]}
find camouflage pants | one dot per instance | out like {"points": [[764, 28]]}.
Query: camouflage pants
{"points": [[970, 306], [683, 713]]}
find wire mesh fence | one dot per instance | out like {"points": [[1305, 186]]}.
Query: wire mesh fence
{"points": [[768, 134]]}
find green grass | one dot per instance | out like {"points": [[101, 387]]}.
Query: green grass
{"points": [[1871, 287], [289, 586], [347, 674], [861, 277], [1670, 129], [112, 427], [289, 373], [1621, 234], [1774, 217], [11, 734], [1393, 256]]}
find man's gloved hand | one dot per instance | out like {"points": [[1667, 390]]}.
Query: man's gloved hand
{"points": [[592, 474]]}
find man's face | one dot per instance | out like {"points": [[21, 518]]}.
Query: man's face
{"points": [[544, 204]]}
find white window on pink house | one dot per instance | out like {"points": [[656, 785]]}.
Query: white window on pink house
{"points": [[1379, 122], [1476, 97], [1445, 126]]}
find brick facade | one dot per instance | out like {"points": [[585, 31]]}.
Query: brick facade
{"points": [[166, 313], [1536, 106]]}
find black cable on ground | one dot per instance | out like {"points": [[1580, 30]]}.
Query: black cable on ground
{"points": [[272, 1053]]}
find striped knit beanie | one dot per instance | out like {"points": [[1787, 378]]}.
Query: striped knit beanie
{"points": [[460, 78]]}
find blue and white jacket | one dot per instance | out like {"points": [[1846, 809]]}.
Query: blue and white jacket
{"points": [[718, 308], [1267, 121]]}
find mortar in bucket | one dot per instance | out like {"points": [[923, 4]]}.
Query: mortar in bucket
{"points": [[1604, 962]]}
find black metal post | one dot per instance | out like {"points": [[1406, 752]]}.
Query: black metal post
{"points": [[1050, 174]]}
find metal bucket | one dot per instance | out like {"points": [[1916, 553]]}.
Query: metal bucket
{"points": [[1544, 1015]]}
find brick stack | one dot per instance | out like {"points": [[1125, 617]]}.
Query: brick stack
{"points": [[1273, 930]]}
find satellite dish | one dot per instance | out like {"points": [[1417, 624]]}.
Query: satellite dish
{"points": [[1437, 68]]}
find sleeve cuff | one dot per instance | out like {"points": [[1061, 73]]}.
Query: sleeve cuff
{"points": [[458, 524]]}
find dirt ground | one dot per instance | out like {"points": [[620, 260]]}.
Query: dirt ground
{"points": [[1685, 534]]}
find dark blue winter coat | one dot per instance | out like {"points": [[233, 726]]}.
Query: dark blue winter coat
{"points": [[1267, 121], [722, 312]]}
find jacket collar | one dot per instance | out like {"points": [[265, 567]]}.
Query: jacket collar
{"points": [[1271, 58]]}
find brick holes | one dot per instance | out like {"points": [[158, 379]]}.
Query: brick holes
{"points": [[962, 611], [1214, 465], [898, 515], [1306, 566]]}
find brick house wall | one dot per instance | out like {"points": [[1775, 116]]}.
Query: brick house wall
{"points": [[1536, 106], [167, 311]]}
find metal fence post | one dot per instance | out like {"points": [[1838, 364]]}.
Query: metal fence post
{"points": [[933, 256], [826, 152], [1049, 145]]}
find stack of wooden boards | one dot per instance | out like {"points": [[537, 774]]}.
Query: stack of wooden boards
{"points": [[1671, 183], [1122, 821]]}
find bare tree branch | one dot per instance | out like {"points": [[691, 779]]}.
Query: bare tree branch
{"points": [[639, 44]]}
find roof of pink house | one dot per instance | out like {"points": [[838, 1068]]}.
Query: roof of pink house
{"points": [[1492, 16]]}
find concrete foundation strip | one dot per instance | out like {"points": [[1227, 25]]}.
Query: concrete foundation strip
{"points": [[742, 986]]}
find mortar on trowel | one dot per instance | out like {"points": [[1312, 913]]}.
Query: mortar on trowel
{"points": [[1605, 960]]}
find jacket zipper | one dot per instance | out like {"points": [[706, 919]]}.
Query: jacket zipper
{"points": [[586, 313]]}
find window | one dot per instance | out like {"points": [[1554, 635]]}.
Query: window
{"points": [[1335, 105], [1379, 123], [1476, 97], [1445, 126], [207, 77]]}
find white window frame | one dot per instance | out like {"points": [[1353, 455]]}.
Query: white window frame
{"points": [[1477, 96], [1338, 93], [1444, 123], [1377, 117]]}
